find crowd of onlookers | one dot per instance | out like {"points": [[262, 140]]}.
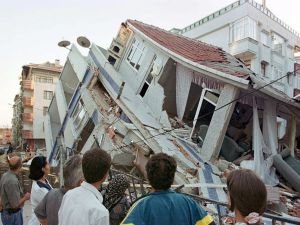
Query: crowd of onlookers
{"points": [[83, 199]]}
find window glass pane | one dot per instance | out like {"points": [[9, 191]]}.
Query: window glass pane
{"points": [[135, 54]]}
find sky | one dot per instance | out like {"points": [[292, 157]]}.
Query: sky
{"points": [[31, 29]]}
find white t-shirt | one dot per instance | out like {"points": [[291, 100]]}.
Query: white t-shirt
{"points": [[36, 196], [83, 205]]}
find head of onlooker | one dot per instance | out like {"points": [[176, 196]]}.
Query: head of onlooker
{"points": [[47, 209], [161, 170], [39, 168], [14, 163], [247, 196], [95, 166], [72, 172], [115, 190]]}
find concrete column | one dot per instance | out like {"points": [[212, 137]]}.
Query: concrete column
{"points": [[219, 123]]}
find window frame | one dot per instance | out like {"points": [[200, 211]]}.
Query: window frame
{"points": [[137, 47], [47, 94]]}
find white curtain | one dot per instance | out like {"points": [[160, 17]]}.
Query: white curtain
{"points": [[258, 143], [270, 127], [262, 167], [184, 77]]}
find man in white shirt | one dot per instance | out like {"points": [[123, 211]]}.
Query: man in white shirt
{"points": [[83, 205]]}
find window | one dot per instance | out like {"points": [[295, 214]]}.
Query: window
{"points": [[44, 79], [244, 28], [277, 43], [78, 114], [264, 38], [135, 54], [48, 95], [45, 110], [263, 68], [149, 78]]}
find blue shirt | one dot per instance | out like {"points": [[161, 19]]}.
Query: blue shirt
{"points": [[167, 208]]}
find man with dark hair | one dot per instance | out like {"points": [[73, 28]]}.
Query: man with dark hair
{"points": [[10, 148], [47, 210], [83, 205], [164, 206], [11, 192]]}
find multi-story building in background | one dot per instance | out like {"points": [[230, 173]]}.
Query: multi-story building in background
{"points": [[252, 33], [37, 88], [5, 135]]}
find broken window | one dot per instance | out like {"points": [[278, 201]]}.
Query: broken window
{"points": [[205, 109], [79, 114], [135, 54], [149, 78]]}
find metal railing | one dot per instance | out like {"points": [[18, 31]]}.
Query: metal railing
{"points": [[274, 218]]}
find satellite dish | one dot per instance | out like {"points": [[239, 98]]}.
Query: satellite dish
{"points": [[83, 42], [64, 43]]}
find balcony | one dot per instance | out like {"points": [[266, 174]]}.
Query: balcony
{"points": [[28, 101], [246, 48], [27, 134], [27, 84], [27, 117]]}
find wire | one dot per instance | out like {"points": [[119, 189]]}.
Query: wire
{"points": [[211, 112]]}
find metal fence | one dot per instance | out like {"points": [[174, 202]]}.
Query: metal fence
{"points": [[138, 188]]}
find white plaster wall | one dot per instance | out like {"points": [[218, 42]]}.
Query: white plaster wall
{"points": [[61, 101], [154, 98], [39, 104], [136, 78], [69, 136], [48, 134], [219, 37], [78, 62]]}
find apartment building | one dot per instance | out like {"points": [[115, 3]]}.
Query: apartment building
{"points": [[5, 135], [252, 33], [37, 89]]}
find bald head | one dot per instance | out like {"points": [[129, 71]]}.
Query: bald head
{"points": [[14, 162]]}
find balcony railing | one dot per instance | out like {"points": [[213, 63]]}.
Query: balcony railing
{"points": [[28, 101], [27, 117], [27, 134], [27, 84]]}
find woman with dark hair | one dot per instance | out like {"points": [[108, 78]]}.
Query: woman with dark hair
{"points": [[38, 171], [247, 196], [115, 199]]}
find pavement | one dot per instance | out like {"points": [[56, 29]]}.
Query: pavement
{"points": [[27, 212]]}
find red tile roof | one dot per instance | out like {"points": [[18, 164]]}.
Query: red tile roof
{"points": [[194, 50]]}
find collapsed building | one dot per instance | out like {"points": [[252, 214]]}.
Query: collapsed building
{"points": [[155, 91]]}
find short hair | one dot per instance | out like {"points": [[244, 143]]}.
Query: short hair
{"points": [[36, 167], [247, 192], [72, 172], [161, 170], [95, 165], [14, 165]]}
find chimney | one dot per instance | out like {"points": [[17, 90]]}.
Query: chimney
{"points": [[57, 62], [264, 3]]}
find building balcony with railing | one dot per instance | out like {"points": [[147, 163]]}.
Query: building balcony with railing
{"points": [[27, 117], [28, 101], [27, 84], [27, 134]]}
